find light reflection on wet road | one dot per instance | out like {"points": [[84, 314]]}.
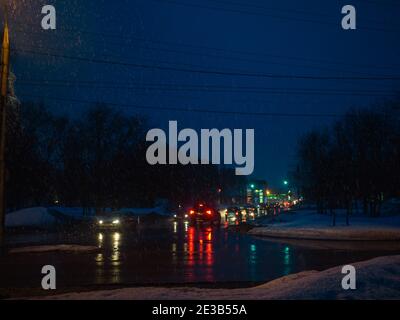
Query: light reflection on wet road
{"points": [[169, 254]]}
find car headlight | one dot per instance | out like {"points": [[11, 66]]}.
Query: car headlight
{"points": [[116, 222], [101, 222]]}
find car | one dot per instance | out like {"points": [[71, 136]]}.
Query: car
{"points": [[181, 215], [233, 215], [263, 210], [203, 213], [251, 212], [113, 220]]}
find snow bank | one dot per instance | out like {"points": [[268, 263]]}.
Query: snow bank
{"points": [[32, 217], [312, 226], [337, 234], [378, 278], [55, 248]]}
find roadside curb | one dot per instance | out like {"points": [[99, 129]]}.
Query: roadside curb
{"points": [[332, 234]]}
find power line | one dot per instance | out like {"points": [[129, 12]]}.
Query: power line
{"points": [[216, 57], [258, 6], [234, 59], [203, 88], [205, 71], [240, 59], [195, 110], [208, 7], [241, 52], [295, 11]]}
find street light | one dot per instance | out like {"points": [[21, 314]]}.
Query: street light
{"points": [[285, 182]]}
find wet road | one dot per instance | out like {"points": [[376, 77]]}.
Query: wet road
{"points": [[171, 253]]}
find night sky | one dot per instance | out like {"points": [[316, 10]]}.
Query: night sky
{"points": [[286, 37]]}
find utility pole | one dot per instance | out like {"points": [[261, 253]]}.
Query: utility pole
{"points": [[5, 68]]}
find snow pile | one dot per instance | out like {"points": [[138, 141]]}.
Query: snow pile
{"points": [[55, 248], [313, 226], [32, 217], [378, 278]]}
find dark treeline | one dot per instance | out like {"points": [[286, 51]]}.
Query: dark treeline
{"points": [[98, 161], [353, 164]]}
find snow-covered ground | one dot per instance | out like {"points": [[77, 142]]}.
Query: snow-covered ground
{"points": [[55, 248], [41, 217], [378, 278], [313, 226], [32, 217]]}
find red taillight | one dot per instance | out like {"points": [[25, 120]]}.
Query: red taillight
{"points": [[209, 212]]}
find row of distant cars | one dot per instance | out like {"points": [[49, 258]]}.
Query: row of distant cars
{"points": [[206, 214], [200, 213], [238, 214]]}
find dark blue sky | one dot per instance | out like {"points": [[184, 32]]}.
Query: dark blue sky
{"points": [[286, 37]]}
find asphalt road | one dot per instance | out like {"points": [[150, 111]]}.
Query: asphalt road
{"points": [[169, 254]]}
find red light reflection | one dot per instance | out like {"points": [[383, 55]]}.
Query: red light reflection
{"points": [[200, 251]]}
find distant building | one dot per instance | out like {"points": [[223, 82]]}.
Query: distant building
{"points": [[257, 192]]}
